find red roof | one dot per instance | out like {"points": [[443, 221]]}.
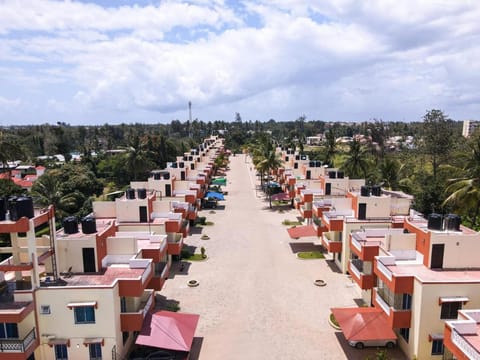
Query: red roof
{"points": [[363, 323], [168, 330], [302, 231]]}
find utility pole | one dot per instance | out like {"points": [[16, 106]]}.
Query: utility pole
{"points": [[189, 117]]}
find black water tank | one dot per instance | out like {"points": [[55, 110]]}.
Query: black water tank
{"points": [[174, 165], [332, 174], [297, 157], [130, 193], [311, 164], [364, 191], [25, 207], [435, 222], [376, 190], [3, 208], [166, 176], [340, 174], [156, 176], [70, 225], [318, 163], [452, 222], [142, 193], [89, 226]]}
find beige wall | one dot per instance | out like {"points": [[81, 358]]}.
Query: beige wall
{"points": [[61, 324], [121, 245], [377, 206], [426, 314], [69, 251], [104, 209], [347, 229], [128, 210], [461, 250]]}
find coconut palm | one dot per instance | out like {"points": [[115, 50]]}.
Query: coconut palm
{"points": [[268, 164], [465, 191], [356, 162], [47, 191]]}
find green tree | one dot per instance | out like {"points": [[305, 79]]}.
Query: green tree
{"points": [[356, 163]]}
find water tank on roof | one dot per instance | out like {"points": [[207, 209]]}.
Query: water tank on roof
{"points": [[166, 176], [20, 206], [318, 163], [340, 174], [3, 208], [174, 165], [297, 157], [89, 226], [311, 164], [435, 222], [376, 190], [303, 157], [142, 193], [70, 225], [452, 222], [332, 174], [130, 193], [364, 190], [156, 176]]}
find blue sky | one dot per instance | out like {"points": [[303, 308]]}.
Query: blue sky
{"points": [[96, 62]]}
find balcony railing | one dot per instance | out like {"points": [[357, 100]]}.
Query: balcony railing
{"points": [[382, 303], [358, 264], [16, 345], [384, 270], [463, 345]]}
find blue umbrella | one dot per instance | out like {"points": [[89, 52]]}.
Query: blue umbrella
{"points": [[215, 195]]}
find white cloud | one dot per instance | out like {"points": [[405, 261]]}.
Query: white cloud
{"points": [[341, 58], [6, 103]]}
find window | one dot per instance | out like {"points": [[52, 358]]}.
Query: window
{"points": [[405, 333], [95, 351], [437, 347], [8, 331], [45, 309], [84, 315], [407, 302], [61, 352], [450, 309]]}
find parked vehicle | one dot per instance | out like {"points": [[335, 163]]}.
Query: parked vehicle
{"points": [[360, 344]]}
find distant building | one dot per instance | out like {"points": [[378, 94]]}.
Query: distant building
{"points": [[469, 127]]}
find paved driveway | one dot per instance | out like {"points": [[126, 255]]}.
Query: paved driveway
{"points": [[256, 300]]}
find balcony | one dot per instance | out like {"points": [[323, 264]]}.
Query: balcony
{"points": [[364, 279], [392, 305], [175, 243], [305, 211], [365, 249], [333, 221], [25, 345], [397, 283], [131, 319], [331, 245]]}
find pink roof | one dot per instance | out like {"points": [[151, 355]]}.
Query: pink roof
{"points": [[168, 330], [363, 323], [302, 231]]}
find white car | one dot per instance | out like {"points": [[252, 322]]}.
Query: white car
{"points": [[360, 344]]}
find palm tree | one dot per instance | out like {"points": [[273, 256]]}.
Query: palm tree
{"points": [[137, 158], [9, 150], [465, 191], [389, 170], [269, 164], [356, 163], [47, 191], [330, 147]]}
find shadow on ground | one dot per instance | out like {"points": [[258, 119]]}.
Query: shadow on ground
{"points": [[305, 246], [352, 353], [162, 303], [196, 347], [196, 230], [331, 264]]}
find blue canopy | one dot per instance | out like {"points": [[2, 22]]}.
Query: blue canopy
{"points": [[215, 195]]}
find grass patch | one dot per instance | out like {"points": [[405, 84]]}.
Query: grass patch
{"points": [[310, 255], [333, 320], [195, 257], [209, 223], [290, 222]]}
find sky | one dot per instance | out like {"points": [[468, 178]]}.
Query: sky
{"points": [[117, 61]]}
